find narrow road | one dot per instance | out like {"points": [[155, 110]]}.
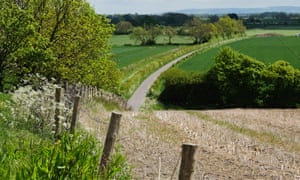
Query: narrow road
{"points": [[139, 96]]}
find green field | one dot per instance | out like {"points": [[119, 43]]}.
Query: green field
{"points": [[282, 31], [126, 55], [266, 49]]}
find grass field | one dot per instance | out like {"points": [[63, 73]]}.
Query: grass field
{"points": [[283, 31], [265, 49], [126, 55]]}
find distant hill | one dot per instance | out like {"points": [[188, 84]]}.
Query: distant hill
{"points": [[286, 9]]}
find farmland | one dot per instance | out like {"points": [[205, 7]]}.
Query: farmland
{"points": [[126, 55], [232, 143], [265, 49]]}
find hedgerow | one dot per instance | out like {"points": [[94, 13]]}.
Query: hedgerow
{"points": [[235, 80]]}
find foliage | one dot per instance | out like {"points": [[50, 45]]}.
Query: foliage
{"points": [[20, 45], [167, 19], [187, 90], [27, 151], [203, 31], [228, 27], [170, 32], [123, 27], [147, 36], [272, 20], [139, 34], [140, 71], [118, 167], [235, 80], [60, 39], [34, 107], [236, 77]]}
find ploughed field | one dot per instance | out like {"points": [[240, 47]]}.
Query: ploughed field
{"points": [[232, 143], [267, 48]]}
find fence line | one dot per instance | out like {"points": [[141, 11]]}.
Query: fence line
{"points": [[90, 92], [188, 150]]}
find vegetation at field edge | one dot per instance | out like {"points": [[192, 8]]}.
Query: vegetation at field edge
{"points": [[235, 80], [265, 49], [28, 149]]}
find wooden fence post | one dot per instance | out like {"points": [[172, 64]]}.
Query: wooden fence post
{"points": [[111, 137], [75, 114], [58, 99], [187, 161]]}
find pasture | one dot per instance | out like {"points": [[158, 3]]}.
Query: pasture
{"points": [[126, 55], [282, 31], [265, 49]]}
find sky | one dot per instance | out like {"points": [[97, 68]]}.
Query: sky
{"points": [[162, 6]]}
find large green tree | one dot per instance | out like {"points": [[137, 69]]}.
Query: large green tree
{"points": [[123, 27], [71, 37], [170, 32], [22, 48]]}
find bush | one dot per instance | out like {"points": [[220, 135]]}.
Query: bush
{"points": [[188, 90], [28, 149], [235, 80]]}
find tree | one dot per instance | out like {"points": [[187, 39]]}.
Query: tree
{"points": [[20, 44], [233, 16], [227, 26], [282, 85], [201, 31], [236, 76], [213, 18], [146, 36], [193, 28], [65, 39], [123, 27], [153, 33], [170, 32], [139, 34], [241, 29]]}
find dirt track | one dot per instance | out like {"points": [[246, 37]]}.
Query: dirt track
{"points": [[152, 142]]}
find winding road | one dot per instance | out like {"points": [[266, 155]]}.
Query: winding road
{"points": [[139, 96]]}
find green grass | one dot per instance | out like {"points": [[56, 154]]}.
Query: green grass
{"points": [[267, 50], [126, 55], [28, 155], [283, 31]]}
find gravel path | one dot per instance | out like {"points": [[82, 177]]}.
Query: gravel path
{"points": [[137, 99]]}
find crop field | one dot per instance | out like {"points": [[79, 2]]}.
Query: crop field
{"points": [[126, 55], [232, 143], [265, 49]]}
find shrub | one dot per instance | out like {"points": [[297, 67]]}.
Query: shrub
{"points": [[27, 149], [34, 107], [235, 80]]}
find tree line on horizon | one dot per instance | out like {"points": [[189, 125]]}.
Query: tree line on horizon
{"points": [[200, 30], [173, 19]]}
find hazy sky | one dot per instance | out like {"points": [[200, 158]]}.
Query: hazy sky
{"points": [[161, 6]]}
